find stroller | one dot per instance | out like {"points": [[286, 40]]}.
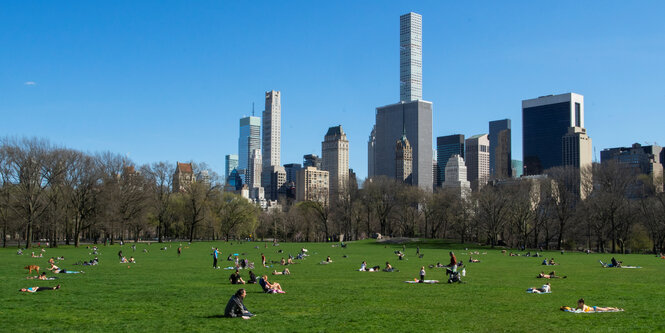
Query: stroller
{"points": [[454, 276]]}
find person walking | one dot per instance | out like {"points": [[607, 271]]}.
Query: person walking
{"points": [[215, 255]]}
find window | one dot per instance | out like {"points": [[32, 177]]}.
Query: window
{"points": [[578, 119]]}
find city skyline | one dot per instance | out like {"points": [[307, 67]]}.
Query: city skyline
{"points": [[127, 96]]}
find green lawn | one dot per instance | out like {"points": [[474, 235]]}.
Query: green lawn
{"points": [[164, 292]]}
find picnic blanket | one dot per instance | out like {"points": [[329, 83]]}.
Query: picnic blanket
{"points": [[567, 309], [426, 281]]}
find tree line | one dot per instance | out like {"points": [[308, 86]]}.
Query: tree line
{"points": [[60, 195]]}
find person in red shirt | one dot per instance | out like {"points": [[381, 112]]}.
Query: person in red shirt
{"points": [[453, 261]]}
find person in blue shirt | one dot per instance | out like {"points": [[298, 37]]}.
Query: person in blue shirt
{"points": [[215, 254]]}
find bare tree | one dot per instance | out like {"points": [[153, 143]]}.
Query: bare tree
{"points": [[160, 184], [493, 210], [563, 196]]}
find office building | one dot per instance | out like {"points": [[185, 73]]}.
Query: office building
{"points": [[272, 124], [370, 152], [391, 121], [576, 152], [335, 158], [273, 180], [231, 162], [233, 182], [312, 185], [447, 146], [545, 120], [403, 160], [250, 139], [291, 171], [456, 176], [644, 159], [410, 57], [183, 177], [311, 160], [500, 149], [518, 168], [477, 152], [435, 172], [254, 170]]}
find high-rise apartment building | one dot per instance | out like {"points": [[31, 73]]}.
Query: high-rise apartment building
{"points": [[500, 149], [231, 162], [254, 170], [272, 124], [576, 151], [447, 146], [456, 176], [403, 160], [410, 57], [312, 185], [250, 139], [477, 152], [370, 152], [545, 120], [311, 160], [645, 159], [391, 121], [335, 158], [273, 179]]}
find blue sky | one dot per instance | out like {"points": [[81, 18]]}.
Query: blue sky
{"points": [[168, 80]]}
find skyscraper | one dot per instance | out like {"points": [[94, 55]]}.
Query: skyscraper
{"points": [[335, 158], [403, 160], [410, 57], [391, 121], [312, 185], [273, 179], [517, 167], [478, 160], [545, 120], [231, 163], [253, 177], [272, 123], [250, 139], [447, 146], [370, 152], [456, 176], [500, 149], [576, 151], [291, 171]]}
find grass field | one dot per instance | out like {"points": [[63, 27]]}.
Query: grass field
{"points": [[164, 292]]}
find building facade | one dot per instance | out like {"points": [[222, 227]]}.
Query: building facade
{"points": [[478, 160], [447, 146], [254, 170], [545, 120], [183, 177], [272, 127], [403, 160], [410, 57], [414, 118], [370, 152], [518, 168], [311, 160], [291, 171], [250, 139], [312, 185], [500, 149], [273, 180], [456, 176], [335, 158], [646, 160], [231, 162]]}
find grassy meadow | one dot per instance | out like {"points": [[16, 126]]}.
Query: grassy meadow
{"points": [[164, 292]]}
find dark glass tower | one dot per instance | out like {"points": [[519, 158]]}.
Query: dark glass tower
{"points": [[500, 149], [447, 146]]}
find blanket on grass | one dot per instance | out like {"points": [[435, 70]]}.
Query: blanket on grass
{"points": [[567, 309], [426, 281]]}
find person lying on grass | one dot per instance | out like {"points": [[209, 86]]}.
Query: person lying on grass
{"points": [[613, 263], [268, 287], [36, 289], [286, 271], [57, 270], [551, 275], [585, 308], [546, 288], [40, 277], [473, 260], [236, 308], [235, 278]]}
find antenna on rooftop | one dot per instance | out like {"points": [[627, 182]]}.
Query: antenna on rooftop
{"points": [[252, 109]]}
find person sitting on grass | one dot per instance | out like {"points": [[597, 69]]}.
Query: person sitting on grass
{"points": [[268, 287], [289, 261], [389, 268], [282, 262], [36, 289], [551, 275], [552, 263], [286, 271], [473, 260], [132, 260], [40, 277], [57, 270], [123, 260], [328, 259], [546, 288], [235, 278], [236, 308], [586, 308], [252, 278], [363, 266], [545, 262]]}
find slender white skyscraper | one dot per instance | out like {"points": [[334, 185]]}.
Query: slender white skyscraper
{"points": [[272, 124], [410, 57]]}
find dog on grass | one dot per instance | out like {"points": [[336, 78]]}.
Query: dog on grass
{"points": [[31, 268]]}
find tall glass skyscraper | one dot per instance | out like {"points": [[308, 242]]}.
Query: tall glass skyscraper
{"points": [[447, 146], [410, 57], [231, 163], [250, 139], [545, 120]]}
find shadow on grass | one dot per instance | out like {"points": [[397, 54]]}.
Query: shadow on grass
{"points": [[217, 316]]}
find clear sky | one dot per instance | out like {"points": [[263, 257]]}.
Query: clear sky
{"points": [[169, 80]]}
